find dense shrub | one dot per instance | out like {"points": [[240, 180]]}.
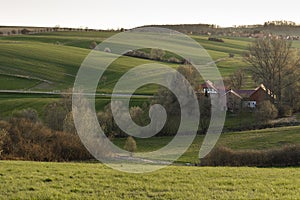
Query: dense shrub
{"points": [[138, 54], [288, 155], [33, 141], [285, 111], [29, 113], [157, 54], [175, 60], [93, 45], [266, 111], [3, 134], [215, 39], [130, 145]]}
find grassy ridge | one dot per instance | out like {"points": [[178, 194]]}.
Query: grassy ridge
{"points": [[37, 180]]}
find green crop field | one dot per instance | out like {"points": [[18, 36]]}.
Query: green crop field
{"points": [[38, 180], [56, 57], [50, 61]]}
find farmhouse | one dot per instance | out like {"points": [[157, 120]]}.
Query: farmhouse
{"points": [[238, 99], [233, 100], [209, 88]]}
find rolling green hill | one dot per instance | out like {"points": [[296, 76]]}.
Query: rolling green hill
{"points": [[50, 61]]}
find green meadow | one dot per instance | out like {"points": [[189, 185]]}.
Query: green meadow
{"points": [[39, 180], [245, 140]]}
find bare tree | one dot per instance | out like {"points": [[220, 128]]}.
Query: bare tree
{"points": [[68, 124], [190, 73], [136, 114], [237, 79], [275, 64]]}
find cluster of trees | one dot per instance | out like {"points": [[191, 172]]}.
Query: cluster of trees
{"points": [[274, 63], [284, 156], [18, 31], [280, 23], [32, 30], [166, 98]]}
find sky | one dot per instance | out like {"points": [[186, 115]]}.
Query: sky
{"points": [[113, 14]]}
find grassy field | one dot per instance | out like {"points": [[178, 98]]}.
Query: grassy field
{"points": [[256, 139], [38, 180], [50, 61], [11, 102], [56, 57]]}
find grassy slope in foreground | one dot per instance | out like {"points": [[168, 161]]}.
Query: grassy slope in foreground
{"points": [[37, 180]]}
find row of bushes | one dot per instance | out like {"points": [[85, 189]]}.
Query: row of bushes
{"points": [[155, 54], [288, 155], [256, 126]]}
